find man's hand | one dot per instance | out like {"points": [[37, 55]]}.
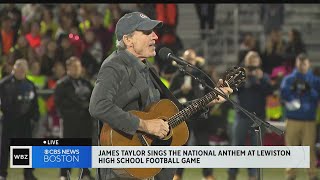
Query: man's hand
{"points": [[226, 90], [157, 127]]}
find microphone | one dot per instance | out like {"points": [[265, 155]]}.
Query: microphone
{"points": [[166, 54]]}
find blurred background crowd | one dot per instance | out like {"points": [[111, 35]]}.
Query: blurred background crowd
{"points": [[213, 37]]}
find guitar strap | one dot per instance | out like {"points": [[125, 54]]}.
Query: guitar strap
{"points": [[162, 88]]}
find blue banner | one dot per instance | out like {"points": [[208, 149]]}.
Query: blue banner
{"points": [[61, 156]]}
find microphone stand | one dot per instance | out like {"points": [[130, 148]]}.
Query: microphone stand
{"points": [[257, 122], [81, 172], [68, 175]]}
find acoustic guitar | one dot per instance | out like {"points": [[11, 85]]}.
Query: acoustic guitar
{"points": [[167, 110]]}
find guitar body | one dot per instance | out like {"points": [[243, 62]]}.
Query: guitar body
{"points": [[167, 110], [178, 136]]}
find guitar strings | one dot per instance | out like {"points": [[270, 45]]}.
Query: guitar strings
{"points": [[175, 120]]}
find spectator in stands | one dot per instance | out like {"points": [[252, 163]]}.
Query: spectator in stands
{"points": [[30, 12], [274, 106], [65, 25], [34, 37], [103, 35], [272, 17], [32, 56], [92, 56], [72, 96], [48, 26], [300, 93], [251, 96], [8, 37], [64, 49], [293, 48], [42, 48], [168, 14], [206, 14], [24, 29], [49, 58], [40, 82], [249, 43], [113, 14], [69, 10], [274, 51], [20, 50], [6, 70], [84, 18], [77, 41], [34, 75], [14, 13], [53, 125]]}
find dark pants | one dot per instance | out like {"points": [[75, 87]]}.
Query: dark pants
{"points": [[12, 131], [83, 130], [63, 172], [302, 133], [242, 126], [206, 18]]}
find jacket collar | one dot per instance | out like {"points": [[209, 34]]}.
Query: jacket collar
{"points": [[297, 73], [131, 60]]}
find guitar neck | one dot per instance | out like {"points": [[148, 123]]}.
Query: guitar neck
{"points": [[187, 112]]}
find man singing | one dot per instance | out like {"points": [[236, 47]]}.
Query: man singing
{"points": [[124, 83]]}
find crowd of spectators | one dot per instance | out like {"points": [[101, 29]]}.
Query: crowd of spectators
{"points": [[47, 35]]}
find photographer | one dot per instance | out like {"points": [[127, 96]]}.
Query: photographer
{"points": [[251, 96], [300, 93]]}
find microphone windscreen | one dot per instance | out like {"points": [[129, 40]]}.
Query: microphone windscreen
{"points": [[164, 52]]}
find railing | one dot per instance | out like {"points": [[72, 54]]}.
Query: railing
{"points": [[222, 45]]}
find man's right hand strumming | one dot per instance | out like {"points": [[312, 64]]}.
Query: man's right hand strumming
{"points": [[157, 127]]}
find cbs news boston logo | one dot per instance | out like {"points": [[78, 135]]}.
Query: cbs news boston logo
{"points": [[20, 156]]}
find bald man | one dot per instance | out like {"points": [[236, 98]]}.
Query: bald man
{"points": [[18, 101]]}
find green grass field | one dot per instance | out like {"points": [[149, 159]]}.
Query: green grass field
{"points": [[189, 174]]}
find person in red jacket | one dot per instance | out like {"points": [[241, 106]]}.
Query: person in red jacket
{"points": [[168, 14], [34, 37], [7, 36]]}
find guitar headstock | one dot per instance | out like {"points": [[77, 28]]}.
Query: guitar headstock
{"points": [[235, 77]]}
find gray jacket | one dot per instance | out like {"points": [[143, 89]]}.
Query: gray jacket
{"points": [[119, 88]]}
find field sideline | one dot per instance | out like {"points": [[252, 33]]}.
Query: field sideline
{"points": [[190, 174]]}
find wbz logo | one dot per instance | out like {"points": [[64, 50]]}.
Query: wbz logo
{"points": [[20, 156]]}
